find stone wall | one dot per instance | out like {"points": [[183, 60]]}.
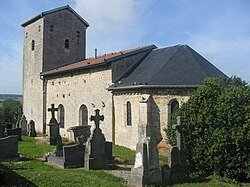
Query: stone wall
{"points": [[86, 87], [128, 135], [32, 66]]}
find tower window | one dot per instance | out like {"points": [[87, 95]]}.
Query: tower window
{"points": [[129, 117], [39, 28], [33, 45], [66, 44], [26, 35], [78, 34], [51, 28]]}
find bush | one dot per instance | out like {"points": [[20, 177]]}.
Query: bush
{"points": [[216, 133]]}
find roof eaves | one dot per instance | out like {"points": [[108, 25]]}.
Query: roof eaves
{"points": [[136, 87], [100, 62]]}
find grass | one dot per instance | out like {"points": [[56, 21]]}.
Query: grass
{"points": [[127, 156], [213, 181], [33, 172], [123, 154], [30, 149]]}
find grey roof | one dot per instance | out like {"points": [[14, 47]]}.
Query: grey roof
{"points": [[175, 66], [52, 11]]}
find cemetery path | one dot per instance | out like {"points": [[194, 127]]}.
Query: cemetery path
{"points": [[122, 171]]}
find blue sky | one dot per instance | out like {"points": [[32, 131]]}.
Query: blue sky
{"points": [[217, 29]]}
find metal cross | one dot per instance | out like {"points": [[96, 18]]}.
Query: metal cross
{"points": [[53, 110], [97, 118]]}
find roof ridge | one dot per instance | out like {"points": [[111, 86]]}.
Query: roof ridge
{"points": [[52, 11]]}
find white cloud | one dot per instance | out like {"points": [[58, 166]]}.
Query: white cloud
{"points": [[111, 22]]}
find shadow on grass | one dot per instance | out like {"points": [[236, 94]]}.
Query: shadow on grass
{"points": [[14, 179]]}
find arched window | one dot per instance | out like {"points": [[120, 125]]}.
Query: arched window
{"points": [[173, 106], [66, 44], [33, 45], [83, 115], [61, 116], [129, 117]]}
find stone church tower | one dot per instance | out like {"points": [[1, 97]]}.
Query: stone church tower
{"points": [[51, 39]]}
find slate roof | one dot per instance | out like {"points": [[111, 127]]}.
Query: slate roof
{"points": [[66, 7], [99, 60], [175, 66]]}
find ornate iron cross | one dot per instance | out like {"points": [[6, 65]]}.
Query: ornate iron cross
{"points": [[97, 118]]}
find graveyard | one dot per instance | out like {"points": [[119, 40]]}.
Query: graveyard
{"points": [[87, 159], [34, 172]]}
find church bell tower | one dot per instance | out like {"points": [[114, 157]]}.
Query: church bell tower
{"points": [[51, 39]]}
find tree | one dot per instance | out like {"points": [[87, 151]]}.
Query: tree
{"points": [[216, 133], [9, 112]]}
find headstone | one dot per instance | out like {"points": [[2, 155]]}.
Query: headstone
{"points": [[108, 151], [177, 168], [23, 125], [9, 148], [2, 130], [77, 131], [72, 156], [31, 129], [53, 126], [95, 156], [146, 170], [2, 177], [15, 131]]}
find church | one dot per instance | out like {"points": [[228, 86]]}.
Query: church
{"points": [[56, 71]]}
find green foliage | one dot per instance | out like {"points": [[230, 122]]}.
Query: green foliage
{"points": [[9, 112], [216, 136]]}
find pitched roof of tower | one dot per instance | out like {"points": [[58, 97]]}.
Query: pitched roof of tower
{"points": [[99, 60], [175, 66], [66, 7]]}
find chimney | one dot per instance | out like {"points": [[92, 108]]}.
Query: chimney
{"points": [[95, 53]]}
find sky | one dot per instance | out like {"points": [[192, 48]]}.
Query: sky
{"points": [[217, 29]]}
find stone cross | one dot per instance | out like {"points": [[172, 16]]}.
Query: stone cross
{"points": [[179, 127], [53, 110], [97, 118]]}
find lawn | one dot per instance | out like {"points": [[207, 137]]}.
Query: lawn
{"points": [[34, 172]]}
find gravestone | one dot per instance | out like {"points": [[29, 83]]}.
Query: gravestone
{"points": [[77, 131], [15, 131], [95, 156], [53, 126], [108, 151], [70, 156], [146, 170], [2, 130], [23, 125], [2, 177], [177, 168], [9, 148], [31, 129]]}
